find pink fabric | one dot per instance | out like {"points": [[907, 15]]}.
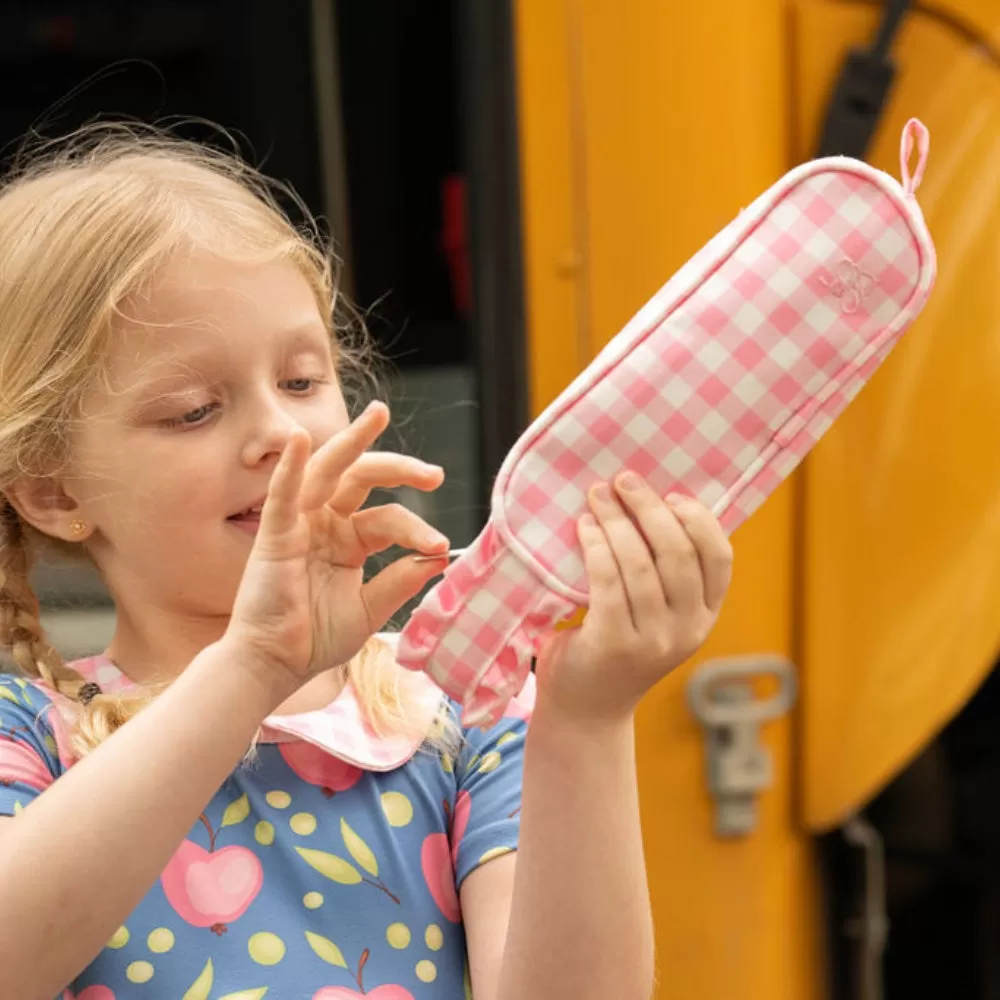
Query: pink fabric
{"points": [[339, 730], [20, 763], [717, 388]]}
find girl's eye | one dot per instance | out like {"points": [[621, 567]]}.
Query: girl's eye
{"points": [[193, 417], [299, 385], [197, 416]]}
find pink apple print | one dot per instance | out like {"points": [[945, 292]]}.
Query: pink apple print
{"points": [[211, 888], [458, 823], [90, 993], [379, 993], [439, 857], [315, 765], [346, 993], [436, 864]]}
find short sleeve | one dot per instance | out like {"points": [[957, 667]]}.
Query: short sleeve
{"points": [[29, 761], [487, 819]]}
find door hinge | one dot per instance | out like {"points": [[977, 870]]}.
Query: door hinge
{"points": [[739, 767]]}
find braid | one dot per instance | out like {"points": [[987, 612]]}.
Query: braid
{"points": [[98, 715], [20, 625]]}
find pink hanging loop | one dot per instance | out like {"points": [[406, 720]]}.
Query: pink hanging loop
{"points": [[914, 129]]}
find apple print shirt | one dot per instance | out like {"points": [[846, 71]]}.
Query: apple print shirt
{"points": [[326, 869]]}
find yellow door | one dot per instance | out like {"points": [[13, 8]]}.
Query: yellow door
{"points": [[901, 513], [644, 128]]}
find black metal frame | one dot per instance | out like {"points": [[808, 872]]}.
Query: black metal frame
{"points": [[488, 108]]}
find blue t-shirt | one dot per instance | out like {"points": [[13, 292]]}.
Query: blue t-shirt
{"points": [[306, 877]]}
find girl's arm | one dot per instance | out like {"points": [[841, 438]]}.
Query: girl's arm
{"points": [[575, 893], [80, 857], [570, 918]]}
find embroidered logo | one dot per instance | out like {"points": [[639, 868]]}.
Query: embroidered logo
{"points": [[852, 285]]}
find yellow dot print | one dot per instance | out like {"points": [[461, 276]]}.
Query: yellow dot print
{"points": [[426, 971], [398, 935], [139, 972], [506, 738], [266, 948], [160, 941], [397, 808], [490, 762], [494, 852], [434, 937], [303, 824], [446, 764], [120, 938], [312, 900], [278, 799], [263, 833]]}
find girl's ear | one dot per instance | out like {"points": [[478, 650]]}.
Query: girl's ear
{"points": [[46, 506]]}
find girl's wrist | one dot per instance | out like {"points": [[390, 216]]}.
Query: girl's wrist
{"points": [[263, 685], [572, 721]]}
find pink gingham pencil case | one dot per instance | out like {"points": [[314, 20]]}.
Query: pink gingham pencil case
{"points": [[717, 388]]}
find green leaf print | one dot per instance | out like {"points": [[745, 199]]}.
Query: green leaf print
{"points": [[236, 811], [326, 949], [334, 868], [9, 695], [202, 986], [360, 851], [338, 870], [256, 994]]}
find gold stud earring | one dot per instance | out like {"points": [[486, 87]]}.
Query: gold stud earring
{"points": [[78, 527]]}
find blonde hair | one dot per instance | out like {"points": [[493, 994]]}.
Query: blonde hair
{"points": [[83, 225]]}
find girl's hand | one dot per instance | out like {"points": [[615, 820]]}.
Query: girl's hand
{"points": [[302, 606], [658, 573]]}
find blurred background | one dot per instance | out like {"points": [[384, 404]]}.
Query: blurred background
{"points": [[509, 181], [359, 107]]}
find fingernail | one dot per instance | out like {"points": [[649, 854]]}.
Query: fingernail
{"points": [[602, 491], [629, 481], [432, 538], [675, 498], [588, 522]]}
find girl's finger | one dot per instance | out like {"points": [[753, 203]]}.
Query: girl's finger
{"points": [[636, 568], [608, 601], [378, 528], [339, 453], [673, 551], [386, 592], [715, 553], [382, 470], [281, 508]]}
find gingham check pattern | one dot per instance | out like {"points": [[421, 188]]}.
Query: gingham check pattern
{"points": [[717, 388]]}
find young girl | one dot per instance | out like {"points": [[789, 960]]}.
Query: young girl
{"points": [[244, 796]]}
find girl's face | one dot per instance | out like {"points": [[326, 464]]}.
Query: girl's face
{"points": [[209, 373]]}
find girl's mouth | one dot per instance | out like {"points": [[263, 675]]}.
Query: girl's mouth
{"points": [[247, 520]]}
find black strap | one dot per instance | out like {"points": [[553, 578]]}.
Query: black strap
{"points": [[861, 90]]}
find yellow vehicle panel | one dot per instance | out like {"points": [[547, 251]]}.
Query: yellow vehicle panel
{"points": [[901, 512], [644, 129]]}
